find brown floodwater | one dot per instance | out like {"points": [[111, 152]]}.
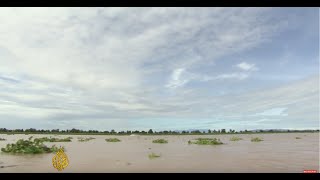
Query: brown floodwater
{"points": [[277, 153]]}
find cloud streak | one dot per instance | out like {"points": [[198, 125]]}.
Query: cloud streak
{"points": [[247, 67]]}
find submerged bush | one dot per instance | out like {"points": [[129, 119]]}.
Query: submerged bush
{"points": [[206, 141], [153, 155], [256, 139], [46, 139], [298, 137], [113, 140], [29, 146], [161, 141], [81, 139], [234, 138], [1, 139]]}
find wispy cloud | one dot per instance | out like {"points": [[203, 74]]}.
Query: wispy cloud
{"points": [[233, 76], [176, 80], [247, 67], [273, 112], [181, 77]]}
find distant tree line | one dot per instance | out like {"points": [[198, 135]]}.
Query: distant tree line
{"points": [[113, 132]]}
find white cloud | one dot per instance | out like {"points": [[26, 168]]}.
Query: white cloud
{"points": [[239, 76], [273, 112], [236, 75], [247, 67], [85, 47], [180, 77], [176, 79]]}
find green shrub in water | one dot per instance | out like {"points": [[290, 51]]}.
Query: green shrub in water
{"points": [[29, 146], [46, 139], [160, 141], [81, 139], [234, 138], [113, 140], [153, 156], [256, 139], [206, 141]]}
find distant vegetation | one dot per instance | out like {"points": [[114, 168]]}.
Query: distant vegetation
{"points": [[29, 146], [256, 139], [81, 139], [206, 141], [234, 138], [150, 132], [160, 141], [113, 140], [153, 156]]}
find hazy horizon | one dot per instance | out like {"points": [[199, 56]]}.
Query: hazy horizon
{"points": [[159, 68]]}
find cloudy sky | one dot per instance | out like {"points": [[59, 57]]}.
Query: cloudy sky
{"points": [[159, 68]]}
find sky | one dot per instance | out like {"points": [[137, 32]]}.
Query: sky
{"points": [[159, 68]]}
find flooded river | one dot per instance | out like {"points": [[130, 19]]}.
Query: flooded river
{"points": [[277, 153]]}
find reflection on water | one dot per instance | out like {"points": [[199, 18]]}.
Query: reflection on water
{"points": [[277, 153]]}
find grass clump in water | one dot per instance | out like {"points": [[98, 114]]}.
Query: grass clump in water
{"points": [[81, 139], [29, 146], [1, 139], [206, 141], [298, 137], [256, 139], [153, 156], [46, 139], [160, 141], [113, 140], [234, 138]]}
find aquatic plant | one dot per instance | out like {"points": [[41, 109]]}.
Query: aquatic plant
{"points": [[113, 140], [160, 141], [206, 141], [256, 139], [29, 146], [298, 137], [234, 138], [1, 139], [81, 139], [153, 156], [46, 139]]}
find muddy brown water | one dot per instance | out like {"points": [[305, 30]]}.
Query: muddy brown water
{"points": [[277, 153]]}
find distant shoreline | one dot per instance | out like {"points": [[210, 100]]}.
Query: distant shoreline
{"points": [[74, 131], [156, 134]]}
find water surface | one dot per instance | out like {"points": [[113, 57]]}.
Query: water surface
{"points": [[277, 153]]}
